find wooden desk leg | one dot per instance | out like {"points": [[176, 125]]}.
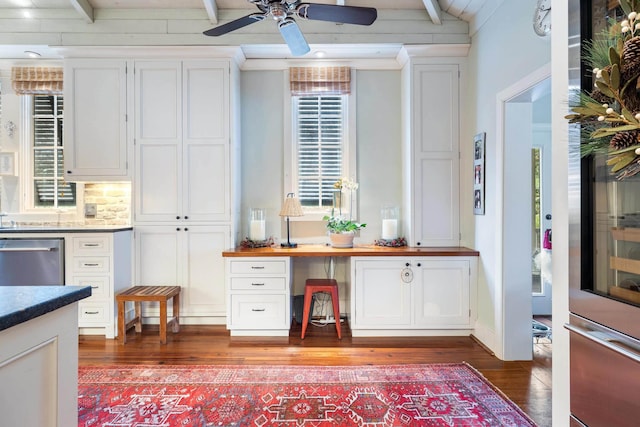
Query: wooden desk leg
{"points": [[138, 320], [163, 322], [176, 313], [122, 327]]}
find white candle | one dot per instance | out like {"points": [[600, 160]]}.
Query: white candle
{"points": [[389, 229], [257, 230]]}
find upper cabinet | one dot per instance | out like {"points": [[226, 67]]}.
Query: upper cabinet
{"points": [[182, 141], [96, 127], [432, 160]]}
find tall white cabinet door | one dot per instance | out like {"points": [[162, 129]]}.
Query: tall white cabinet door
{"points": [[382, 299], [442, 299], [435, 177], [95, 137], [158, 140], [204, 270], [206, 183]]}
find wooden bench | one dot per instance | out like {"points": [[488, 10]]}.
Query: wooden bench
{"points": [[140, 294]]}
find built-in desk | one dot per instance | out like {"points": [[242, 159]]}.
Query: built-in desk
{"points": [[407, 291], [358, 250]]}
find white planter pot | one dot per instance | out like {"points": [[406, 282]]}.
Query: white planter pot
{"points": [[342, 240]]}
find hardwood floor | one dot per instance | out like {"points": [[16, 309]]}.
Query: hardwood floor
{"points": [[528, 384]]}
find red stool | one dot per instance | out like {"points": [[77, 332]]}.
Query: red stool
{"points": [[312, 286]]}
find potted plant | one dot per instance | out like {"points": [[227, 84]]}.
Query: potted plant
{"points": [[342, 230]]}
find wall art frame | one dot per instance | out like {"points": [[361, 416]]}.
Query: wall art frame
{"points": [[479, 143]]}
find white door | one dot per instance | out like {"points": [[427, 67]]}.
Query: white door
{"points": [[382, 298], [204, 270], [442, 298], [158, 139]]}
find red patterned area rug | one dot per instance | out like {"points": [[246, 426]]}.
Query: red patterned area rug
{"points": [[396, 395]]}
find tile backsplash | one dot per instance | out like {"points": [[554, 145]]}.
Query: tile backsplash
{"points": [[113, 202]]}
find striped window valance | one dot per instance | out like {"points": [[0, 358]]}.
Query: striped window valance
{"points": [[37, 80], [320, 80]]}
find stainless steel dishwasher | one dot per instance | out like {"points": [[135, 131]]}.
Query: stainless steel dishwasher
{"points": [[31, 262]]}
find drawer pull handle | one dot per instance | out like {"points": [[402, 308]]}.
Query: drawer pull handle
{"points": [[95, 287], [257, 267], [257, 284], [258, 309], [91, 245], [90, 264], [91, 312]]}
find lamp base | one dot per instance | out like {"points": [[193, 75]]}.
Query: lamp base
{"points": [[288, 245]]}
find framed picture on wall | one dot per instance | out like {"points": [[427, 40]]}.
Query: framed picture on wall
{"points": [[478, 173]]}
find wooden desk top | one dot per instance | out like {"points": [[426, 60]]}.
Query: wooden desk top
{"points": [[358, 250]]}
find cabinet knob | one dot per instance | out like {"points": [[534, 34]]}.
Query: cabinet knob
{"points": [[417, 243], [419, 264], [69, 172], [407, 264], [177, 228], [186, 217], [186, 229], [178, 217]]}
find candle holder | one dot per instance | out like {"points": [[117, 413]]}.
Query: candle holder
{"points": [[390, 218], [390, 233], [257, 225]]}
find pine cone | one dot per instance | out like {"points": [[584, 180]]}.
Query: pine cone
{"points": [[600, 97], [625, 139], [631, 55]]}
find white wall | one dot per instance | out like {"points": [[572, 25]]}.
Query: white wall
{"points": [[378, 129], [503, 51]]}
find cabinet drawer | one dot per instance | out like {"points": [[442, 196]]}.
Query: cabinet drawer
{"points": [[91, 264], [92, 313], [259, 283], [258, 267], [99, 285], [258, 312], [91, 244]]}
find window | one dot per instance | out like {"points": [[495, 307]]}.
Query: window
{"points": [[319, 130], [322, 148], [49, 188]]}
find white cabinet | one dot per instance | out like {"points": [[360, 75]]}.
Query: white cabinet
{"points": [[102, 261], [186, 256], [183, 182], [413, 295], [431, 159], [96, 133], [259, 296], [182, 140]]}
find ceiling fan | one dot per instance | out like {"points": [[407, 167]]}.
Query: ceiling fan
{"points": [[282, 11]]}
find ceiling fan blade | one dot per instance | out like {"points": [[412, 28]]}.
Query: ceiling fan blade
{"points": [[334, 13], [235, 25], [293, 36]]}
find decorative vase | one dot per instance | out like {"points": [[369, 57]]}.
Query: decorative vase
{"points": [[342, 240]]}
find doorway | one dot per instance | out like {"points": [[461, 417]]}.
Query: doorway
{"points": [[526, 151]]}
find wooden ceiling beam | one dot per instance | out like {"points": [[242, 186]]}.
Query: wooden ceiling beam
{"points": [[212, 10], [434, 11], [84, 9]]}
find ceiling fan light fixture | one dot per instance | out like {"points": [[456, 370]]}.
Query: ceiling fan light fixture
{"points": [[293, 36]]}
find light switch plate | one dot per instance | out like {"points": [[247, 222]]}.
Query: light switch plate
{"points": [[90, 209]]}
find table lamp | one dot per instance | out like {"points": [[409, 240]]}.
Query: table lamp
{"points": [[291, 207]]}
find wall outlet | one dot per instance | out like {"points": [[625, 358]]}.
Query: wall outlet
{"points": [[90, 209]]}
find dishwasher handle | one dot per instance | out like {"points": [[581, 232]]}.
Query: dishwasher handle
{"points": [[34, 249]]}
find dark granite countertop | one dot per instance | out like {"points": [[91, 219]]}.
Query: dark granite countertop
{"points": [[19, 304], [64, 229]]}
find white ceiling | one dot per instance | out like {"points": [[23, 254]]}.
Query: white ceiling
{"points": [[466, 10], [463, 9]]}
